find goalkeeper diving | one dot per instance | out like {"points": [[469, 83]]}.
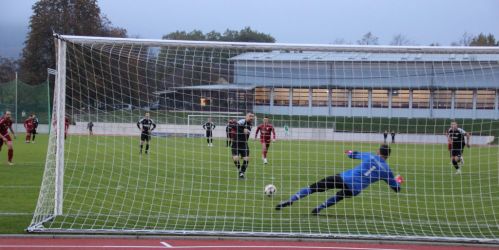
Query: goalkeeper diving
{"points": [[350, 183]]}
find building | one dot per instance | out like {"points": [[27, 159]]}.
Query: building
{"points": [[360, 83]]}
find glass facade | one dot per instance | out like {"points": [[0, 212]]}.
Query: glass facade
{"points": [[485, 99], [463, 99], [319, 97], [421, 99], [340, 98], [400, 98], [360, 98], [300, 97], [380, 98]]}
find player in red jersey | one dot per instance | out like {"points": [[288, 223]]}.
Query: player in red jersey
{"points": [[5, 125], [265, 129], [66, 126], [29, 126]]}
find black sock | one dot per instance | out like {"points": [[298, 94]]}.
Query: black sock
{"points": [[245, 165], [33, 137], [454, 162], [237, 164], [208, 140], [147, 147]]}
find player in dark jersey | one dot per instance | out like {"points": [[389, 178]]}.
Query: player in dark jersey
{"points": [[385, 135], [35, 126], [28, 125], [351, 182], [456, 140], [5, 126], [90, 127], [240, 143], [266, 130], [230, 131], [209, 127], [146, 126]]}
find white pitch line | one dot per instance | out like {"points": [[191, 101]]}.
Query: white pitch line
{"points": [[200, 247], [166, 244], [75, 246], [286, 247]]}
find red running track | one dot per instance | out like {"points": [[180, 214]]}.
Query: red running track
{"points": [[102, 243]]}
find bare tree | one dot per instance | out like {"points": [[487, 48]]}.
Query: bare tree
{"points": [[341, 41], [401, 40], [368, 39], [465, 40]]}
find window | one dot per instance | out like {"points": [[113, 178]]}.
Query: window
{"points": [[340, 98], [262, 96], [380, 98], [485, 99], [421, 99], [400, 98], [442, 99], [281, 97], [360, 98], [300, 97], [464, 99], [319, 97]]}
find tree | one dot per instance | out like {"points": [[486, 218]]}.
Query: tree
{"points": [[70, 17], [244, 35], [400, 40], [465, 40], [368, 39], [8, 68], [484, 40]]}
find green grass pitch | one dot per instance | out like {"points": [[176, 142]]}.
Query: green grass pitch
{"points": [[185, 185]]}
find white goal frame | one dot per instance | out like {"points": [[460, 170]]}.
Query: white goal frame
{"points": [[59, 127]]}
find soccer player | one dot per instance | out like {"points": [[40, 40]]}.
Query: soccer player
{"points": [[28, 125], [373, 168], [240, 143], [90, 127], [385, 135], [146, 126], [35, 126], [66, 126], [5, 126], [230, 131], [209, 127], [266, 130], [393, 136], [455, 137]]}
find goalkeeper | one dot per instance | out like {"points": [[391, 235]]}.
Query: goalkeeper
{"points": [[351, 182]]}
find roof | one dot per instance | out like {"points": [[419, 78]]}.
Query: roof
{"points": [[364, 56]]}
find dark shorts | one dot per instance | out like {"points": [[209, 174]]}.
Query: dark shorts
{"points": [[332, 182], [33, 131], [209, 133], [456, 151], [241, 149], [145, 137]]}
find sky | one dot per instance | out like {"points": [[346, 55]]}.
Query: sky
{"points": [[289, 21]]}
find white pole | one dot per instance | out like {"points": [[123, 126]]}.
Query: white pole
{"points": [[59, 126]]}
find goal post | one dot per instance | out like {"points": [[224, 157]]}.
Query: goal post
{"points": [[322, 100]]}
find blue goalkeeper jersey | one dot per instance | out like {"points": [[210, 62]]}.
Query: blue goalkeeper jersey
{"points": [[372, 169]]}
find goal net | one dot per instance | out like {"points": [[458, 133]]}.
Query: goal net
{"points": [[322, 100]]}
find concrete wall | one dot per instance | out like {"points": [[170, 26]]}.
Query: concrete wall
{"points": [[130, 129]]}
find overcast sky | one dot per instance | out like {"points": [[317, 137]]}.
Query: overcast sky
{"points": [[294, 21]]}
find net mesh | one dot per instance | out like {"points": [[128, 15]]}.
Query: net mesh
{"points": [[322, 100]]}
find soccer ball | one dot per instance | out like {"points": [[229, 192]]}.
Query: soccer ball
{"points": [[270, 190]]}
